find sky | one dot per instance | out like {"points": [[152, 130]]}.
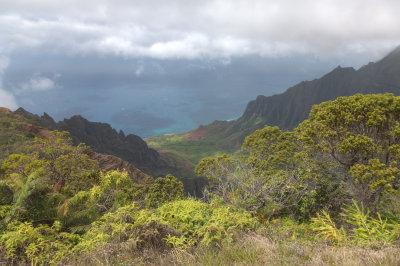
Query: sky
{"points": [[154, 67]]}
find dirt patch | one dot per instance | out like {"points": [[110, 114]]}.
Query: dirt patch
{"points": [[38, 130], [198, 134], [5, 111], [20, 117]]}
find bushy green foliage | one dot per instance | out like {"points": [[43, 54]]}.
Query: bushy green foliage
{"points": [[273, 176], [217, 170], [31, 199], [361, 135], [58, 161], [37, 245], [211, 223], [327, 228], [12, 138], [164, 190], [6, 194], [114, 191], [364, 229], [348, 148], [126, 226], [181, 224]]}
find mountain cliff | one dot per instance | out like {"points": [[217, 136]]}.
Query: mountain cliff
{"points": [[104, 139], [18, 131], [285, 110], [288, 109]]}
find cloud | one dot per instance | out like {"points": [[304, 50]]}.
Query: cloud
{"points": [[197, 29], [38, 82], [7, 100]]}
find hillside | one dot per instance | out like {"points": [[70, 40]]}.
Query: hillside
{"points": [[302, 199], [18, 132], [284, 110], [102, 138]]}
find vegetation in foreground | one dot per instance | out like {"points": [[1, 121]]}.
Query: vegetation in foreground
{"points": [[326, 193]]}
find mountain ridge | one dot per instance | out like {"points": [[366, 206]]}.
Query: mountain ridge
{"points": [[286, 110], [105, 140]]}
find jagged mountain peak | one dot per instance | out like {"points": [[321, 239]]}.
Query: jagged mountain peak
{"points": [[288, 109]]}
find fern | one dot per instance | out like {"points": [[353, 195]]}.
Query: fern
{"points": [[369, 230], [366, 230], [327, 228]]}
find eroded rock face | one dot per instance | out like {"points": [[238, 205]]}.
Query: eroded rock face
{"points": [[110, 162], [35, 129], [104, 139]]}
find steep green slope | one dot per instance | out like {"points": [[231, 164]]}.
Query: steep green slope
{"points": [[12, 138], [185, 150]]}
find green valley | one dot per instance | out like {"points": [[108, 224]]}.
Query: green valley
{"points": [[326, 192]]}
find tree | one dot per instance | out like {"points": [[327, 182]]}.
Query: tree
{"points": [[272, 176], [57, 160], [361, 136]]}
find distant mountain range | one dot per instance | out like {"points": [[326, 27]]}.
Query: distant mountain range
{"points": [[102, 138], [179, 153], [285, 110], [288, 109]]}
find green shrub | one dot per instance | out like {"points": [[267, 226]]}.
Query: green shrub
{"points": [[179, 224], [6, 194], [114, 191], [164, 189], [364, 229], [208, 223], [38, 245], [367, 229]]}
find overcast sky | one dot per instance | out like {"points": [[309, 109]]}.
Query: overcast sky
{"points": [[161, 66]]}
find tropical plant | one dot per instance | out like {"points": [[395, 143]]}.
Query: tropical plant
{"points": [[361, 135]]}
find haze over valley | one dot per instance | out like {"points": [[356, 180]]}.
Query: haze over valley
{"points": [[119, 64]]}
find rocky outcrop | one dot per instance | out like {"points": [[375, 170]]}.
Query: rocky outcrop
{"points": [[110, 162], [102, 138]]}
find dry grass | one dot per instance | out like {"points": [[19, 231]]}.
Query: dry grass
{"points": [[250, 249]]}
